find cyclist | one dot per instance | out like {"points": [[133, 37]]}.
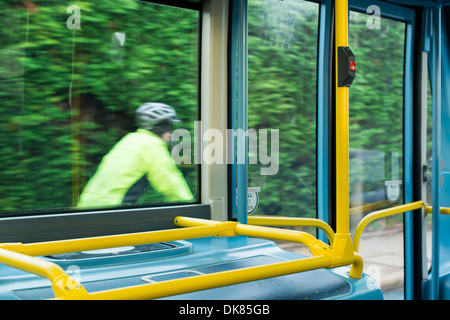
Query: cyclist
{"points": [[139, 159]]}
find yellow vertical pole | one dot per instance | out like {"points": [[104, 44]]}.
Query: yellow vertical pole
{"points": [[342, 137], [343, 241]]}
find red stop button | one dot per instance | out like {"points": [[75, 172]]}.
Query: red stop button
{"points": [[352, 65]]}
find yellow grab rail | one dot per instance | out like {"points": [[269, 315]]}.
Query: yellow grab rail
{"points": [[62, 284], [382, 214], [19, 256], [214, 280], [338, 256], [95, 243], [342, 241], [325, 257], [234, 229], [389, 212], [429, 209], [292, 222]]}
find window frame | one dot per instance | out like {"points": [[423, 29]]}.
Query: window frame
{"points": [[53, 224], [238, 179], [408, 16], [61, 226]]}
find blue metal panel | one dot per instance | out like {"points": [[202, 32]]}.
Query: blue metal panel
{"points": [[323, 117], [436, 92], [441, 239], [444, 220], [408, 156], [239, 108], [437, 286]]}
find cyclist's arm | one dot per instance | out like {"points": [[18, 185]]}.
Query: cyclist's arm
{"points": [[165, 177]]}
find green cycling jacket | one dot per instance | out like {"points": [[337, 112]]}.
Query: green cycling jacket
{"points": [[138, 156]]}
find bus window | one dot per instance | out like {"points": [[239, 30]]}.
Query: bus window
{"points": [[376, 143], [282, 78], [71, 80]]}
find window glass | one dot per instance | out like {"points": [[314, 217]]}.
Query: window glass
{"points": [[376, 143], [282, 80], [72, 75]]}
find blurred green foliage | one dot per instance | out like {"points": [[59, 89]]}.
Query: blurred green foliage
{"points": [[283, 51], [282, 94], [376, 104], [67, 95]]}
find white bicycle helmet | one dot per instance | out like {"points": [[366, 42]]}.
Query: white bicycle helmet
{"points": [[152, 113]]}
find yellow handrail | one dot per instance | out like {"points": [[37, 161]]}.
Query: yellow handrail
{"points": [[62, 284], [234, 229], [94, 243], [342, 241], [429, 209], [325, 258], [382, 214], [389, 212], [66, 288], [292, 222], [336, 254], [19, 255], [210, 281]]}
